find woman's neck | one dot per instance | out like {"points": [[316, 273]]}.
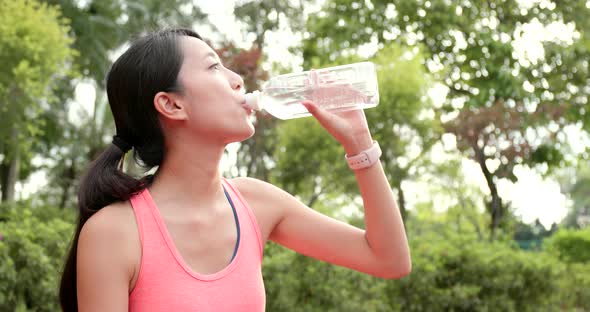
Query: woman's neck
{"points": [[189, 174]]}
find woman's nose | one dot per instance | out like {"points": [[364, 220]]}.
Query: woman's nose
{"points": [[237, 83]]}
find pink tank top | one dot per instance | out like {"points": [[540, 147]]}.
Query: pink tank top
{"points": [[166, 283]]}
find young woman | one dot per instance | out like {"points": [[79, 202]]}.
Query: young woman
{"points": [[187, 239]]}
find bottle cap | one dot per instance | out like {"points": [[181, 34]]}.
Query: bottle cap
{"points": [[252, 100]]}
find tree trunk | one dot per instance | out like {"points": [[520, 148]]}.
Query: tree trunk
{"points": [[315, 196], [65, 190], [401, 201], [69, 176], [11, 170], [313, 199], [495, 207], [3, 178], [10, 178]]}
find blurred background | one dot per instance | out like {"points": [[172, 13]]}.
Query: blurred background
{"points": [[483, 121]]}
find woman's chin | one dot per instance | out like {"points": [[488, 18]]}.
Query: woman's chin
{"points": [[249, 134], [242, 135]]}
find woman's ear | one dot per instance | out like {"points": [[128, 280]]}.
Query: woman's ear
{"points": [[169, 107]]}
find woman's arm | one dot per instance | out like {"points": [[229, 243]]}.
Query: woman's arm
{"points": [[381, 250], [385, 232], [313, 234]]}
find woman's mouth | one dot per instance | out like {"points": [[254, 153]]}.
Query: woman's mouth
{"points": [[247, 108]]}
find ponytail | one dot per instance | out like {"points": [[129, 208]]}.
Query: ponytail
{"points": [[102, 185]]}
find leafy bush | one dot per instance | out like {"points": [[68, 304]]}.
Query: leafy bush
{"points": [[575, 287], [31, 258], [457, 274], [297, 283], [571, 246], [475, 276]]}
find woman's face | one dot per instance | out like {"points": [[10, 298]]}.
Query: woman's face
{"points": [[212, 94]]}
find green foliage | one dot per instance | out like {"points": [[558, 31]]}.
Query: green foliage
{"points": [[298, 283], [402, 121], [496, 97], [31, 257], [454, 273], [35, 54], [571, 246], [575, 282], [461, 275], [9, 277], [35, 48], [261, 16], [309, 162], [575, 182], [102, 26], [548, 154]]}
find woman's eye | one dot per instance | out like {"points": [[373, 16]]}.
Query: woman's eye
{"points": [[215, 66]]}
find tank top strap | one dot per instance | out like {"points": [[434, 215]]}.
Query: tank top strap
{"points": [[143, 214], [244, 209]]}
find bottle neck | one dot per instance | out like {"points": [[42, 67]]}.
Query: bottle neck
{"points": [[253, 100]]}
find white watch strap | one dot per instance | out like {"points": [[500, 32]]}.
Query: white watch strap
{"points": [[366, 158]]}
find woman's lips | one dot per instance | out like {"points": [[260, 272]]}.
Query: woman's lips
{"points": [[246, 107]]}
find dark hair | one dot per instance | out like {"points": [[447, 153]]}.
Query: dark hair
{"points": [[150, 65]]}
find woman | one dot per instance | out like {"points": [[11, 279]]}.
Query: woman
{"points": [[186, 239]]}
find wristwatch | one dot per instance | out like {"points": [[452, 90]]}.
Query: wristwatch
{"points": [[364, 159]]}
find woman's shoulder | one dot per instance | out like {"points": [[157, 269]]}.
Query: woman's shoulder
{"points": [[252, 186], [113, 220], [112, 230], [255, 190], [246, 183]]}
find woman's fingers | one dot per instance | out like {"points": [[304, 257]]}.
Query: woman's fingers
{"points": [[324, 117]]}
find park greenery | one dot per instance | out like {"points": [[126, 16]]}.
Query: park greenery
{"points": [[504, 108]]}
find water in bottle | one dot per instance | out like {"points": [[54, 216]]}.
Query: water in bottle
{"points": [[338, 88]]}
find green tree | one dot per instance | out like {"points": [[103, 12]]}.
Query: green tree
{"points": [[499, 104], [102, 26], [35, 52], [405, 122], [464, 214], [401, 123], [576, 183], [262, 16]]}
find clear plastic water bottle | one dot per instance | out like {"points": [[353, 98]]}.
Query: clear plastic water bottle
{"points": [[339, 88]]}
